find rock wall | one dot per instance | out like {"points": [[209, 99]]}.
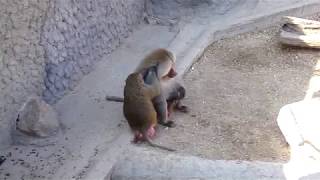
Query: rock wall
{"points": [[21, 57], [48, 45], [78, 33], [177, 10]]}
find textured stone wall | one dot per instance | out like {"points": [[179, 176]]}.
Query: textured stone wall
{"points": [[21, 57], [48, 45], [175, 9], [78, 33]]}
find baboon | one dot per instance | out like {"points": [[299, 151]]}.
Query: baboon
{"points": [[172, 91], [140, 91]]}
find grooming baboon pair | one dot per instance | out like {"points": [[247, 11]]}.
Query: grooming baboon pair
{"points": [[151, 93]]}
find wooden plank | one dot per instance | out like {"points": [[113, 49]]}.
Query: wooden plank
{"points": [[306, 23], [301, 26], [299, 30], [290, 38]]}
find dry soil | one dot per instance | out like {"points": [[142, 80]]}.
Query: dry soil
{"points": [[235, 92]]}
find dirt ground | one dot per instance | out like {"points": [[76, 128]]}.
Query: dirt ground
{"points": [[235, 92]]}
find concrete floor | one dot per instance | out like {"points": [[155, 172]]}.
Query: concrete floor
{"points": [[95, 133]]}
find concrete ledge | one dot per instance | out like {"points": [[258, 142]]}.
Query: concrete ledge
{"points": [[188, 51], [161, 166]]}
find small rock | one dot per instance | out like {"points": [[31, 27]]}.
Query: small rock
{"points": [[37, 118]]}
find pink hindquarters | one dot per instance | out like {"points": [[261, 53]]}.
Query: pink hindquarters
{"points": [[151, 132], [138, 136]]}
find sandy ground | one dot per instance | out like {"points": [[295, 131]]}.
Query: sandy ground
{"points": [[235, 92]]}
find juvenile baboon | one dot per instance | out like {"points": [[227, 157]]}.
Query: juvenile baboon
{"points": [[139, 93]]}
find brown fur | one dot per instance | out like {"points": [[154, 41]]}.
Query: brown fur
{"points": [[161, 56], [166, 70], [138, 107]]}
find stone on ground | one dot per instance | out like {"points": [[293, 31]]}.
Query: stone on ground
{"points": [[36, 119]]}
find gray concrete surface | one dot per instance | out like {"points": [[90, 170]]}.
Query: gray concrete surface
{"points": [[300, 125], [95, 132], [143, 164]]}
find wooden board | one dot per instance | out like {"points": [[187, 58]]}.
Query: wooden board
{"points": [[300, 32]]}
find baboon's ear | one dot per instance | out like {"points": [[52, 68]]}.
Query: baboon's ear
{"points": [[164, 68]]}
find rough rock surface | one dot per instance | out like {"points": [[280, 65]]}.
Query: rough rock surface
{"points": [[180, 9], [76, 34], [37, 118], [21, 57], [37, 124]]}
